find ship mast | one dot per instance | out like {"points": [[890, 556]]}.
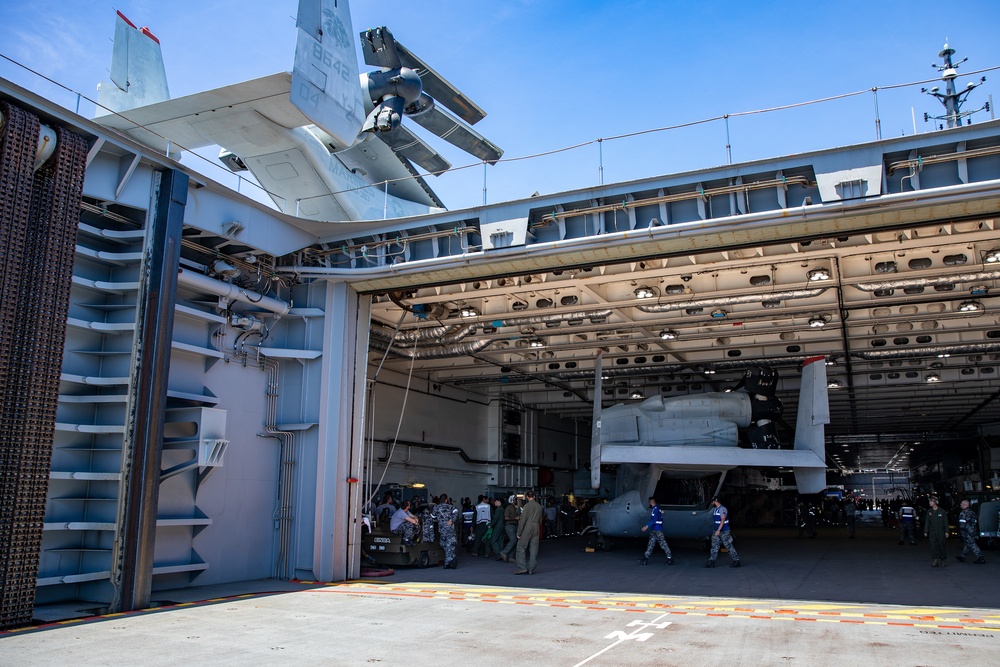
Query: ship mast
{"points": [[951, 98]]}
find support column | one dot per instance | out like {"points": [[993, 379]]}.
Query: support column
{"points": [[342, 398], [138, 496]]}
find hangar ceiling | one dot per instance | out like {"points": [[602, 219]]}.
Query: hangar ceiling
{"points": [[906, 318]]}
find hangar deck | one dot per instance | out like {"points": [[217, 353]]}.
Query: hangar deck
{"points": [[863, 600]]}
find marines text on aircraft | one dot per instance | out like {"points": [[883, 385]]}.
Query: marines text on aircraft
{"points": [[696, 436], [322, 146]]}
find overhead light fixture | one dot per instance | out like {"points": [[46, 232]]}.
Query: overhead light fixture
{"points": [[417, 485], [709, 371], [636, 394], [536, 342], [819, 274], [817, 322], [831, 362], [970, 306], [469, 311], [668, 334], [992, 256], [834, 384], [933, 377], [644, 292], [943, 355]]}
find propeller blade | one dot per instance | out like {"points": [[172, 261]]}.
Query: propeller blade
{"points": [[415, 149], [457, 133], [440, 88], [379, 48]]}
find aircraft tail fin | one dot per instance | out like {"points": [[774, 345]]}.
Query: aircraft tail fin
{"points": [[325, 77], [813, 414], [138, 77], [595, 433]]}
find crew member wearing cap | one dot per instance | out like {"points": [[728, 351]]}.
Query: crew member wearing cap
{"points": [[936, 529], [967, 529], [721, 534]]}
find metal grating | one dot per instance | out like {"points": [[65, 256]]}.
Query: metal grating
{"points": [[39, 214]]}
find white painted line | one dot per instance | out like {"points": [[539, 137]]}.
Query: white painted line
{"points": [[619, 636]]}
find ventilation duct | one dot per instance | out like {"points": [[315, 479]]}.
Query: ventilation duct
{"points": [[448, 335]]}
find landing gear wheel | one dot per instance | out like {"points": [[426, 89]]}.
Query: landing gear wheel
{"points": [[423, 560]]}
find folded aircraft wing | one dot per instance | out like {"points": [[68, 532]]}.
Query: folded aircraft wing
{"points": [[717, 459]]}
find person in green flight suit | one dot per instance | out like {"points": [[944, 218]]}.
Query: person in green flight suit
{"points": [[936, 530]]}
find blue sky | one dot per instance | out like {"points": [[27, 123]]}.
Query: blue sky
{"points": [[556, 73]]}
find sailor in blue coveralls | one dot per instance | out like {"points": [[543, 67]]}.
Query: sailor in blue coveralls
{"points": [[655, 526], [720, 516]]}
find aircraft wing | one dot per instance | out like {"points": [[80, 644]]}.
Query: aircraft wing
{"points": [[196, 121], [711, 459], [376, 163], [415, 149]]}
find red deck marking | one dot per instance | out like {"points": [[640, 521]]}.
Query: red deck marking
{"points": [[743, 609], [829, 613], [874, 615], [679, 612], [951, 627], [785, 611], [851, 620], [564, 606], [638, 611], [717, 614], [905, 625], [802, 618], [922, 618], [971, 620], [598, 608], [758, 616], [488, 600], [527, 603]]}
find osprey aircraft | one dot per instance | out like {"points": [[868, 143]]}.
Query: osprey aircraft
{"points": [[325, 141], [696, 436]]}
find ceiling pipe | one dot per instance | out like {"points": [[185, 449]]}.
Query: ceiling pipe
{"points": [[202, 283], [440, 352], [968, 348], [449, 335], [928, 282], [732, 300]]}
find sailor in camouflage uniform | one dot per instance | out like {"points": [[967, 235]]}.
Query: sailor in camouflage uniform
{"points": [[445, 515], [720, 516], [655, 528], [967, 528]]}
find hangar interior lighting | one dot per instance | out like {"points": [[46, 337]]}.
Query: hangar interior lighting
{"points": [[970, 306], [644, 292], [469, 311], [992, 256], [933, 377], [668, 334], [819, 274], [817, 322], [636, 394], [536, 342], [834, 384]]}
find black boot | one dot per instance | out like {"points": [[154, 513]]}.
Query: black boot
{"points": [[643, 560], [960, 559], [710, 563], [670, 561], [980, 560], [736, 563]]}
